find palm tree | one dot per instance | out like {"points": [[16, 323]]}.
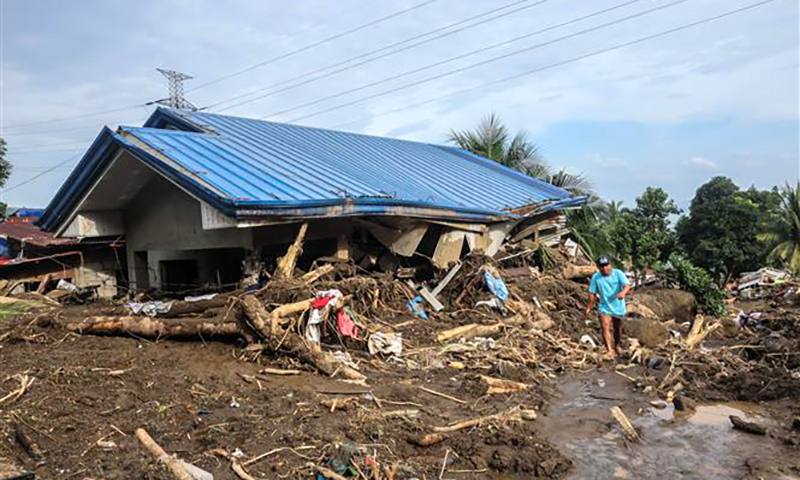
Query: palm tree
{"points": [[491, 139], [785, 237]]}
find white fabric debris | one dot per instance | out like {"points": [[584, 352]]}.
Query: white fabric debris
{"points": [[345, 358], [201, 298], [386, 343], [150, 309], [312, 333]]}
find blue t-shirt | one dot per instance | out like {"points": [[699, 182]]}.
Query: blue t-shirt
{"points": [[607, 288]]}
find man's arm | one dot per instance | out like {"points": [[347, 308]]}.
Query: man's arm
{"points": [[590, 305], [626, 286]]}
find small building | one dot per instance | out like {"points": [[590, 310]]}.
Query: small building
{"points": [[29, 256], [199, 196]]}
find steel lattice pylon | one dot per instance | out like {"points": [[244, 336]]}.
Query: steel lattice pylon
{"points": [[175, 99]]}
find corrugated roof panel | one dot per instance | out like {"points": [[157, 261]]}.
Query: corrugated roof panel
{"points": [[269, 162]]}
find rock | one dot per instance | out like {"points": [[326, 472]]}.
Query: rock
{"points": [[683, 404], [745, 426], [640, 310], [796, 424], [659, 404], [650, 333], [667, 303]]}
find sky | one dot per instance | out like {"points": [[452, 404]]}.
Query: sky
{"points": [[671, 110]]}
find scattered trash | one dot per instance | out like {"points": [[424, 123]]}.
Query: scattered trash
{"points": [[495, 284], [238, 453], [66, 286], [200, 298], [415, 307], [345, 324], [386, 343], [319, 309], [494, 303], [345, 358], [587, 340], [234, 403], [655, 363], [149, 309]]}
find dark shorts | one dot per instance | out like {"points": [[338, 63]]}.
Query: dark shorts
{"points": [[620, 318]]}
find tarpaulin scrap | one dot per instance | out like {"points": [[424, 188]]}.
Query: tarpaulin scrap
{"points": [[496, 285], [415, 307]]}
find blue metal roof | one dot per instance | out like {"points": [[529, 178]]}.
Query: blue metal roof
{"points": [[249, 167]]}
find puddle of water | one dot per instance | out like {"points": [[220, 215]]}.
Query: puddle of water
{"points": [[701, 445]]}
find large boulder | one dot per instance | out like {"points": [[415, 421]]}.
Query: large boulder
{"points": [[665, 303]]}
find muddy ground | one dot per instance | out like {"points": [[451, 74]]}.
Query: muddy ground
{"points": [[207, 400]]}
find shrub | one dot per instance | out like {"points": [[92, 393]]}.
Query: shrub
{"points": [[680, 271]]}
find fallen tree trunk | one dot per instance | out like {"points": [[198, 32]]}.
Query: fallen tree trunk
{"points": [[153, 327], [267, 326], [472, 330], [180, 307], [576, 272]]}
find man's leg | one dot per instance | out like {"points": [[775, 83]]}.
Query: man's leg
{"points": [[608, 336], [618, 335]]}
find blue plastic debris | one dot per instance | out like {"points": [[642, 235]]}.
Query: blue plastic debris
{"points": [[415, 307], [496, 285]]}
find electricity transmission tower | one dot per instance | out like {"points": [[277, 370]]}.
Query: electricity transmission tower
{"points": [[175, 99]]}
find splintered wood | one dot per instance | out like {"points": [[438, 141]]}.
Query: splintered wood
{"points": [[626, 424], [500, 386], [174, 465], [288, 262]]}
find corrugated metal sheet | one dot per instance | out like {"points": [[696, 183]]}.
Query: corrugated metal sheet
{"points": [[29, 233], [254, 168], [257, 162]]}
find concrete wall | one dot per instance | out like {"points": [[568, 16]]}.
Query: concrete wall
{"points": [[166, 222]]}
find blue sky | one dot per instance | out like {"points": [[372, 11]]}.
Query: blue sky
{"points": [[718, 99]]}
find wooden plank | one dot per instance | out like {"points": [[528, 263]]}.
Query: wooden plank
{"points": [[490, 241], [467, 227], [448, 249], [447, 279], [403, 241], [431, 299]]}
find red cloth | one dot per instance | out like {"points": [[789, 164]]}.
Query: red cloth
{"points": [[320, 302], [345, 324]]}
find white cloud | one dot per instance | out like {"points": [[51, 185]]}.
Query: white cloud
{"points": [[702, 162], [609, 162]]}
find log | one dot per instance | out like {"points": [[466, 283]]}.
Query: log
{"points": [[498, 385], [473, 330], [317, 273], [428, 440], [171, 462], [154, 327], [180, 307], [749, 427], [268, 327], [288, 262], [697, 334], [576, 272]]}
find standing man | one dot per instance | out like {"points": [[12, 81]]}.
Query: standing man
{"points": [[610, 286]]}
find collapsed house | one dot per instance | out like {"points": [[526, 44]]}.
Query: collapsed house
{"points": [[203, 198], [31, 259]]}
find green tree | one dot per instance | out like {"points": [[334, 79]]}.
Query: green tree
{"points": [[723, 230], [5, 172], [680, 271], [492, 139], [784, 237], [642, 235]]}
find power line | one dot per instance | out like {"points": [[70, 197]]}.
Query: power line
{"points": [[315, 44], [470, 66], [382, 49], [57, 144], [72, 117], [53, 168], [561, 63], [70, 129]]}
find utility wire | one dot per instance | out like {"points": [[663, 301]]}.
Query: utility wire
{"points": [[72, 117], [562, 63], [70, 129], [382, 49], [58, 144], [313, 45], [470, 66], [53, 168]]}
